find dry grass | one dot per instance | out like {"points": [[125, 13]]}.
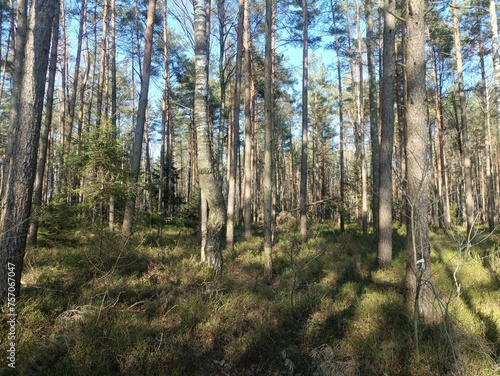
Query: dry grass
{"points": [[152, 309]]}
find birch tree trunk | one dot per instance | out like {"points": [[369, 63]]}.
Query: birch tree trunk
{"points": [[212, 191]]}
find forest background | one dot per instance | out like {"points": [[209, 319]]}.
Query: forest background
{"points": [[333, 165]]}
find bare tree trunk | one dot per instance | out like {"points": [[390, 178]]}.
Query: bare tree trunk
{"points": [[443, 192], [487, 139], [135, 163], [341, 125], [418, 296], [374, 130], [235, 132], [30, 69], [469, 200], [248, 129], [387, 134], [303, 158], [361, 114], [495, 53], [268, 145], [114, 130], [44, 136], [208, 183]]}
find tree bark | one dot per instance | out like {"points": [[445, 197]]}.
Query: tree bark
{"points": [[208, 183], [135, 163], [44, 137], [31, 60], [248, 129], [387, 134], [495, 53], [418, 296], [374, 129], [235, 133], [341, 125], [268, 145], [487, 138], [469, 200], [303, 158]]}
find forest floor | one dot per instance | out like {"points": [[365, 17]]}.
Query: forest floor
{"points": [[92, 307]]}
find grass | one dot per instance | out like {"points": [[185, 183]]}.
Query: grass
{"points": [[151, 308]]}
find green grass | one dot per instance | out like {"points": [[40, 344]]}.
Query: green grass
{"points": [[90, 306]]}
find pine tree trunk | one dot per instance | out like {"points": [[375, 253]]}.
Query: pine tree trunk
{"points": [[387, 135], [495, 53], [44, 137], [487, 138], [30, 69], [364, 187], [341, 125], [208, 184], [248, 129], [135, 163], [374, 131], [233, 151], [464, 132], [268, 148], [418, 296], [303, 157]]}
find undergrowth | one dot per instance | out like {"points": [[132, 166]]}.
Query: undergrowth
{"points": [[92, 307]]}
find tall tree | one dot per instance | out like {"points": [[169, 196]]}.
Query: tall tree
{"points": [[495, 52], [361, 120], [30, 69], [235, 132], [303, 155], [135, 163], [463, 126], [248, 127], [44, 136], [418, 296], [374, 129], [268, 143], [387, 134], [212, 250], [341, 121]]}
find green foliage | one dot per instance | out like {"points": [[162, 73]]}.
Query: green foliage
{"points": [[151, 308]]}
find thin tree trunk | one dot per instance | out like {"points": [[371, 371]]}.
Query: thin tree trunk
{"points": [[268, 145], [135, 163], [364, 187], [235, 132], [114, 130], [469, 200], [487, 139], [248, 129], [102, 69], [495, 53], [303, 158], [443, 192], [387, 134], [341, 125], [374, 130], [30, 69], [419, 296]]}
